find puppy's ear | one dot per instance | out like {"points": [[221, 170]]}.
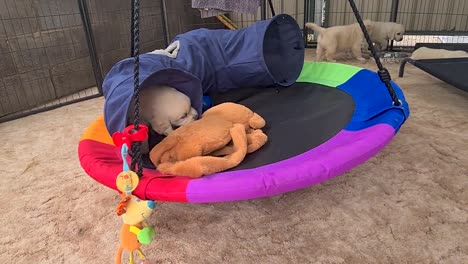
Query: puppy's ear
{"points": [[162, 126], [369, 25]]}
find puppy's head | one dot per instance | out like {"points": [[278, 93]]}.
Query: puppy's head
{"points": [[170, 109], [396, 32], [369, 25], [182, 116]]}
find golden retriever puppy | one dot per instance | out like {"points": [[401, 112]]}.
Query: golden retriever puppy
{"points": [[430, 53], [382, 32], [339, 38], [164, 109]]}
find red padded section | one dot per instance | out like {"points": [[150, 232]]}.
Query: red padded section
{"points": [[102, 162]]}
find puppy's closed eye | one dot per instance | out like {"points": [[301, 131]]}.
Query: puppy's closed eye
{"points": [[183, 116]]}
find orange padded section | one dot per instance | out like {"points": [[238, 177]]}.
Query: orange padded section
{"points": [[97, 131]]}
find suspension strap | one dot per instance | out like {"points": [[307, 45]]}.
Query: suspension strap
{"points": [[384, 74], [132, 19], [136, 145], [271, 8]]}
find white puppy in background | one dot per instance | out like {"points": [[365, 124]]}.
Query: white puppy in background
{"points": [[339, 38], [430, 53], [383, 32], [163, 108]]}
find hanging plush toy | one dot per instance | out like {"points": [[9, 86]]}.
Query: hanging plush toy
{"points": [[134, 212]]}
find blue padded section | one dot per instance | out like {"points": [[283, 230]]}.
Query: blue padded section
{"points": [[373, 103]]}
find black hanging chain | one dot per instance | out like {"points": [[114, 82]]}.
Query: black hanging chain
{"points": [[384, 74], [132, 20], [136, 146], [271, 8]]}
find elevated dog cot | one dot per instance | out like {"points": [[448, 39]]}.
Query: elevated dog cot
{"points": [[450, 70]]}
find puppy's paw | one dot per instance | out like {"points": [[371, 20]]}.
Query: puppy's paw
{"points": [[361, 59]]}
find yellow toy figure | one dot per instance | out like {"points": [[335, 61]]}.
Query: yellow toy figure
{"points": [[134, 213]]}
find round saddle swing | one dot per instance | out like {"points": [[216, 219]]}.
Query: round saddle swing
{"points": [[323, 119]]}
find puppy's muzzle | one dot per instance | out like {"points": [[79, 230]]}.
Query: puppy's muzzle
{"points": [[189, 120]]}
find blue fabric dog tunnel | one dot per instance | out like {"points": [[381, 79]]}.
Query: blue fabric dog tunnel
{"points": [[267, 53]]}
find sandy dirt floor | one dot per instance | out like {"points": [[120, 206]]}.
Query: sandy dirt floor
{"points": [[408, 204]]}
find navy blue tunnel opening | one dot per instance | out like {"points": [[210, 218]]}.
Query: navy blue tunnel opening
{"points": [[283, 47], [266, 54]]}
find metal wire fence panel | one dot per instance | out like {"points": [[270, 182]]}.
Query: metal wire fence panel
{"points": [[294, 8], [54, 52], [434, 16], [339, 12], [111, 25], [418, 15], [44, 54], [423, 16], [181, 17], [426, 21]]}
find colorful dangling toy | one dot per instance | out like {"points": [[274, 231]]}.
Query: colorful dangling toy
{"points": [[134, 211]]}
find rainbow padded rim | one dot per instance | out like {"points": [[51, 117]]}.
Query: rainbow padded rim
{"points": [[374, 124]]}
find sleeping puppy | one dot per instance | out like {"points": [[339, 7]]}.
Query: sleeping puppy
{"points": [[164, 109], [430, 53], [339, 38], [382, 32]]}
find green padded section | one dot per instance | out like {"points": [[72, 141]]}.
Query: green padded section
{"points": [[326, 73]]}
